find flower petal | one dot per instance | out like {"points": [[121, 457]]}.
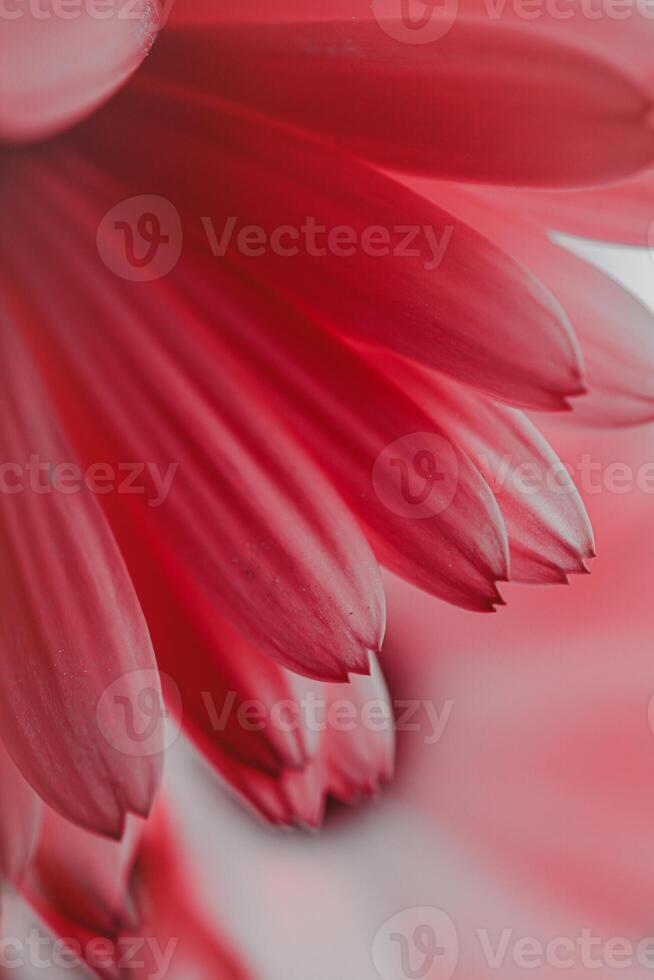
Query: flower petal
{"points": [[20, 818], [351, 755], [174, 916], [615, 330], [71, 623], [621, 212], [456, 303], [550, 535], [491, 101], [248, 520], [349, 417], [56, 68], [83, 878]]}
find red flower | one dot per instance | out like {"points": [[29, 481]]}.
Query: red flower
{"points": [[216, 286]]}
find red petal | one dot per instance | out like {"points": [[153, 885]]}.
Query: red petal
{"points": [[249, 520], [349, 418], [71, 624], [490, 101], [620, 212], [478, 315], [550, 535], [352, 757], [173, 916], [20, 817], [83, 878], [56, 68], [616, 331]]}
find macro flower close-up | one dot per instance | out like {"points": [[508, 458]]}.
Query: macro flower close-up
{"points": [[326, 489]]}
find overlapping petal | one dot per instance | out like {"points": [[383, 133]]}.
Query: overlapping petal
{"points": [[549, 531], [615, 329], [492, 100], [458, 304], [248, 520], [20, 819], [348, 731], [349, 417], [71, 623], [620, 212]]}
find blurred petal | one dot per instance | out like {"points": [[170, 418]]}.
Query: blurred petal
{"points": [[621, 212], [490, 102], [349, 731], [20, 817], [615, 330], [82, 878], [173, 917], [56, 67]]}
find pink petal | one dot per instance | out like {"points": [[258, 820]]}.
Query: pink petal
{"points": [[616, 331], [20, 817], [488, 101], [550, 535], [56, 69], [249, 521], [352, 755], [621, 212], [349, 417], [83, 878], [478, 315], [175, 917], [71, 624]]}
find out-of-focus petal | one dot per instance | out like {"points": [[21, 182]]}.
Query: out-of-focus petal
{"points": [[491, 101], [181, 940], [82, 878], [58, 65], [620, 212], [20, 818], [615, 330], [349, 733], [71, 623]]}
